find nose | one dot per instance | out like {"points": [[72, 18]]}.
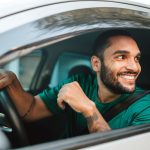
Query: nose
{"points": [[133, 65]]}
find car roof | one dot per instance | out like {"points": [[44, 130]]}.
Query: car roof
{"points": [[9, 7]]}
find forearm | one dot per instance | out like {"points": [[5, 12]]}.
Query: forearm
{"points": [[30, 108], [20, 98], [95, 121], [73, 95]]}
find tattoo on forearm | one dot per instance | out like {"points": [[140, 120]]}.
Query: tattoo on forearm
{"points": [[95, 125], [92, 119]]}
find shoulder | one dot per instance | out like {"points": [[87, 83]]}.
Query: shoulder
{"points": [[140, 111], [145, 97], [142, 103]]}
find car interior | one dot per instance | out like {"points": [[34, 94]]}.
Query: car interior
{"points": [[53, 64]]}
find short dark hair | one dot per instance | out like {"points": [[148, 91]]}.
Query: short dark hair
{"points": [[102, 41]]}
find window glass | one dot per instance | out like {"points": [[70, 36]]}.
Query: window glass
{"points": [[25, 67]]}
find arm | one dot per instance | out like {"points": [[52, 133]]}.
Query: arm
{"points": [[22, 99], [73, 95], [96, 122]]}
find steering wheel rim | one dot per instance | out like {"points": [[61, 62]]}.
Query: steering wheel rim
{"points": [[13, 118]]}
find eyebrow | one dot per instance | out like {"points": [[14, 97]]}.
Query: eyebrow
{"points": [[124, 52]]}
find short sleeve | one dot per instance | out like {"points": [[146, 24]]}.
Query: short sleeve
{"points": [[49, 95]]}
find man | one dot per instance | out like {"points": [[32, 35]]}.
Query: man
{"points": [[116, 63]]}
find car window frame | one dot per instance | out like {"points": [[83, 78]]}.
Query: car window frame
{"points": [[44, 41], [94, 140]]}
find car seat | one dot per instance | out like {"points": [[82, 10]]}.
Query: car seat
{"points": [[79, 69]]}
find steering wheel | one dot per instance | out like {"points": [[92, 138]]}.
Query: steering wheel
{"points": [[13, 118]]}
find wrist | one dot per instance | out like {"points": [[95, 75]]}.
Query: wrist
{"points": [[89, 109]]}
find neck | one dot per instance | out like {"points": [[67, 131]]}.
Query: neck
{"points": [[106, 96]]}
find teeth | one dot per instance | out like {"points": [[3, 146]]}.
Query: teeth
{"points": [[128, 77]]}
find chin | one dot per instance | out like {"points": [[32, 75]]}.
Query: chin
{"points": [[129, 89]]}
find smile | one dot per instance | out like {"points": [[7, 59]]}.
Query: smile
{"points": [[128, 77]]}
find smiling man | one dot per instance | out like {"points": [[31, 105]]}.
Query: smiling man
{"points": [[115, 61]]}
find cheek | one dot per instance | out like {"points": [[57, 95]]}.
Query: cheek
{"points": [[115, 68], [140, 68]]}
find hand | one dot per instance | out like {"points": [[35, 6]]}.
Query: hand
{"points": [[73, 95], [6, 78]]}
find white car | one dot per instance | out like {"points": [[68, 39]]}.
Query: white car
{"points": [[41, 41]]}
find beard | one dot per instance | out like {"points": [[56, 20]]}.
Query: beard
{"points": [[110, 81]]}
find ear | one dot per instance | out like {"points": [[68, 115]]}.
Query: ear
{"points": [[96, 63]]}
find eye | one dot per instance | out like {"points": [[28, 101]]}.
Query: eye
{"points": [[137, 59], [121, 57]]}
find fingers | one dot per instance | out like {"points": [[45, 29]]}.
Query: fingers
{"points": [[62, 97], [61, 103], [60, 100], [67, 94], [6, 78], [4, 81]]}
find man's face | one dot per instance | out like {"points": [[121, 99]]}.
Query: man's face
{"points": [[120, 66]]}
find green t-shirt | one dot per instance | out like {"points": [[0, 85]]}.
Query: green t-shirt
{"points": [[137, 113]]}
